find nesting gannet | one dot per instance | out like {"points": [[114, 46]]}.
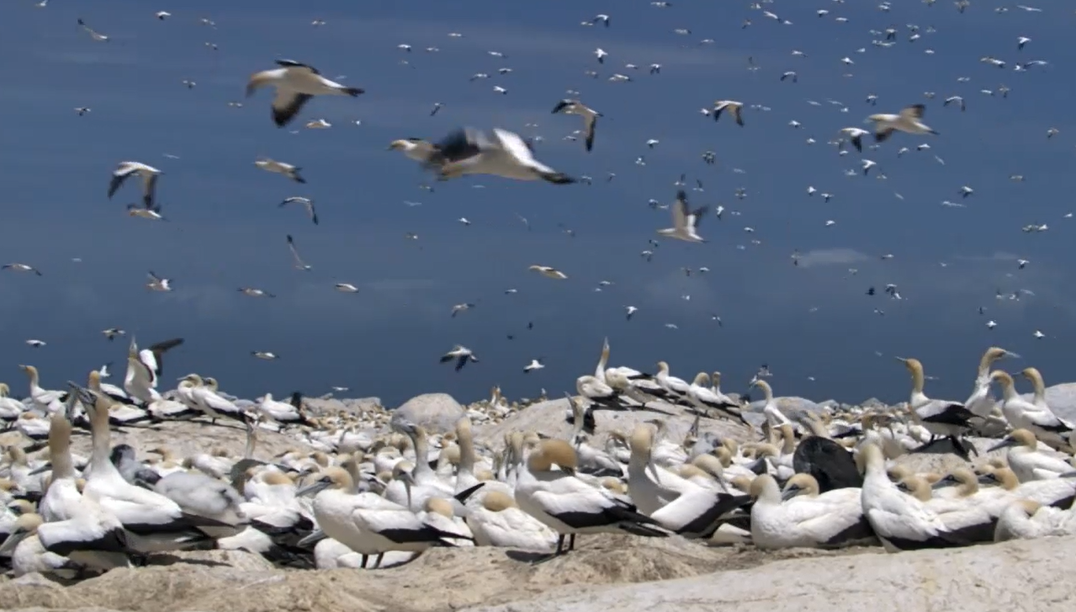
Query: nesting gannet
{"points": [[346, 288], [94, 34], [461, 355], [548, 272], [685, 222], [48, 401], [299, 263], [148, 174], [500, 153], [801, 517], [589, 115], [414, 148], [909, 120], [704, 398], [21, 267], [1026, 519], [307, 203], [295, 84], [736, 108], [500, 522], [981, 401], [1033, 416], [159, 283], [939, 417], [276, 167], [1027, 462], [548, 490]]}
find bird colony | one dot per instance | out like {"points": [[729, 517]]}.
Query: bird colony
{"points": [[646, 454]]}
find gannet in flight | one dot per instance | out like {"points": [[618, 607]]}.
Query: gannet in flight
{"points": [[414, 148], [346, 288], [112, 332], [855, 136], [149, 176], [589, 115], [631, 310], [162, 15], [908, 120], [299, 263], [21, 267], [253, 292], [461, 354], [288, 170], [535, 364], [157, 283], [600, 54], [685, 222], [602, 18], [35, 343], [307, 203], [549, 272], [736, 108], [93, 33], [295, 84], [267, 356], [500, 153], [458, 308]]}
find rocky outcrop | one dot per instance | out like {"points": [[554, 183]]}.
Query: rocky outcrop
{"points": [[436, 412]]}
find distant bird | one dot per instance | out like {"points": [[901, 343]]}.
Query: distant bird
{"points": [[82, 110], [604, 19], [318, 124], [736, 108], [1038, 334], [1022, 263], [35, 343], [93, 33], [791, 74], [264, 355], [630, 310], [458, 308], [149, 175], [500, 90], [436, 107], [346, 288], [162, 15], [600, 54], [855, 136], [958, 100], [158, 283], [254, 292], [500, 153], [685, 222], [112, 332], [288, 170], [589, 115], [461, 354], [295, 84], [909, 120], [21, 267], [549, 272], [1021, 41], [535, 364], [306, 202], [299, 263]]}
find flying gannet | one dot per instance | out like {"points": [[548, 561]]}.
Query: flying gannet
{"points": [[266, 355], [535, 364], [112, 332], [909, 120], [414, 148], [685, 222], [288, 170], [461, 354], [158, 283], [299, 263], [97, 36], [254, 292], [549, 272], [732, 106], [21, 267], [307, 203], [295, 84], [148, 174], [346, 288], [589, 115], [500, 153], [458, 308]]}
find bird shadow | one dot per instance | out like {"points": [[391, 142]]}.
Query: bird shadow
{"points": [[526, 556], [165, 559]]}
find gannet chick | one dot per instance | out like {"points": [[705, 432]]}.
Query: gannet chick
{"points": [[589, 115], [461, 355], [685, 222], [414, 148], [548, 272], [148, 174], [158, 283], [288, 170], [736, 108], [307, 203], [1022, 414], [295, 84], [908, 121], [499, 153], [21, 267]]}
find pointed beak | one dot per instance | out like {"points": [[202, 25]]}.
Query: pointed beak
{"points": [[940, 484], [311, 489], [1007, 442], [789, 493], [12, 541]]}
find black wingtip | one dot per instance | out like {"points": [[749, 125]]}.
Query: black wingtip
{"points": [[354, 91]]}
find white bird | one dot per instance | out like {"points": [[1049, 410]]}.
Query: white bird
{"points": [[600, 54], [346, 288], [35, 343], [158, 283], [704, 398], [939, 417], [535, 364], [589, 115], [855, 136], [318, 124], [732, 106], [1034, 416], [276, 167], [295, 84], [685, 222], [548, 272], [909, 120], [1021, 41], [630, 310], [799, 517], [307, 203], [254, 292], [162, 15], [461, 355], [266, 355], [458, 308], [299, 263], [148, 174], [502, 153], [500, 522], [1027, 462], [21, 267], [93, 33], [414, 148]]}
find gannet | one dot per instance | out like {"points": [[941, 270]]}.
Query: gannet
{"points": [[589, 115], [685, 222], [255, 292], [549, 272], [600, 54], [1033, 416], [288, 170], [800, 517], [736, 108], [307, 203], [500, 522], [939, 417], [148, 174], [295, 84], [346, 288], [458, 308], [705, 399], [49, 401], [158, 283], [1025, 519], [855, 136], [981, 402], [93, 33], [299, 263], [206, 399], [35, 343], [630, 310], [500, 153], [1027, 462], [414, 148], [535, 364], [21, 267], [461, 355], [548, 490], [265, 355], [908, 121], [154, 214]]}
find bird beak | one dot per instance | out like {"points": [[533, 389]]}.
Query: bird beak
{"points": [[789, 493], [1007, 442], [901, 359], [12, 541], [1012, 355], [314, 536], [987, 479], [941, 484], [311, 489]]}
